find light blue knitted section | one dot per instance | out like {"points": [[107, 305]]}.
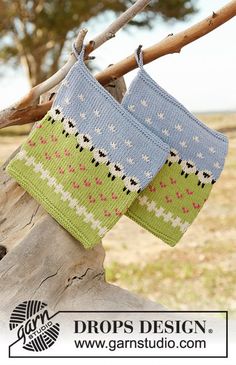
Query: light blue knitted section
{"points": [[109, 126], [174, 124]]}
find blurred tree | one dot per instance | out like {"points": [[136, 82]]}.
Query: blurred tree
{"points": [[34, 32]]}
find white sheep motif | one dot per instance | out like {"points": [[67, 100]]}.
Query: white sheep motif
{"points": [[205, 177], [100, 156], [68, 127], [131, 184], [84, 141], [115, 170], [173, 157], [55, 114], [188, 167]]}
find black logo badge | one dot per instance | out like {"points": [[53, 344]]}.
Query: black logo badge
{"points": [[34, 326]]}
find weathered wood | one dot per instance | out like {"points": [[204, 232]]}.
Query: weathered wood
{"points": [[43, 261]]}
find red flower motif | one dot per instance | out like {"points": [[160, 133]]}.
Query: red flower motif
{"points": [[54, 138], [179, 195], [61, 170], [66, 152], [31, 143], [43, 140], [87, 183], [185, 210], [114, 196], [118, 212], [107, 213], [189, 192], [152, 188], [82, 167], [57, 154], [91, 199], [75, 185], [196, 205], [172, 181], [162, 185], [47, 156], [71, 168], [168, 199], [98, 181], [102, 197]]}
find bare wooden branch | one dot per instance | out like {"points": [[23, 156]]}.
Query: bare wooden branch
{"points": [[33, 95], [171, 44], [122, 20]]}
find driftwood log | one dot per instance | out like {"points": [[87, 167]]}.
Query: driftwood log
{"points": [[40, 260]]}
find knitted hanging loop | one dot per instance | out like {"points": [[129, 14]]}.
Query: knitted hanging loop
{"points": [[170, 203], [89, 158]]}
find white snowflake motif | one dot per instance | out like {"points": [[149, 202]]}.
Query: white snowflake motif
{"points": [[98, 130], [51, 181], [148, 174], [128, 143], [95, 224], [148, 120], [67, 101], [88, 217], [102, 231], [145, 158], [81, 97], [196, 139], [144, 103], [65, 83], [82, 115], [112, 128], [29, 161], [143, 200], [200, 155], [65, 195], [166, 132], [212, 150], [114, 145], [160, 115], [131, 108], [96, 113], [72, 203], [80, 210], [183, 144], [38, 167], [44, 174], [21, 155], [151, 206], [59, 188], [217, 165], [179, 127], [130, 160]]}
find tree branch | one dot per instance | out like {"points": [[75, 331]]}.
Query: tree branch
{"points": [[22, 114]]}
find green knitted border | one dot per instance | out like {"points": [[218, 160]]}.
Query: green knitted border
{"points": [[180, 197]]}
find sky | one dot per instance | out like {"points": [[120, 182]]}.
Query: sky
{"points": [[202, 76]]}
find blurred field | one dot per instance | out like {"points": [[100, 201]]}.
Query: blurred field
{"points": [[199, 273]]}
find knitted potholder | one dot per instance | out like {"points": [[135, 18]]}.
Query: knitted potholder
{"points": [[88, 159], [168, 206]]}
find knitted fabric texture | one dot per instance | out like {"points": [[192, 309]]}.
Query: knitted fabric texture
{"points": [[170, 203], [88, 159]]}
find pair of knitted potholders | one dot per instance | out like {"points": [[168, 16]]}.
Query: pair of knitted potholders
{"points": [[173, 199], [88, 159]]}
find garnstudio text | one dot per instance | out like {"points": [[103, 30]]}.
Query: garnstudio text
{"points": [[144, 326]]}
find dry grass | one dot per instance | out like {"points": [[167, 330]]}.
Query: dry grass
{"points": [[199, 273]]}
